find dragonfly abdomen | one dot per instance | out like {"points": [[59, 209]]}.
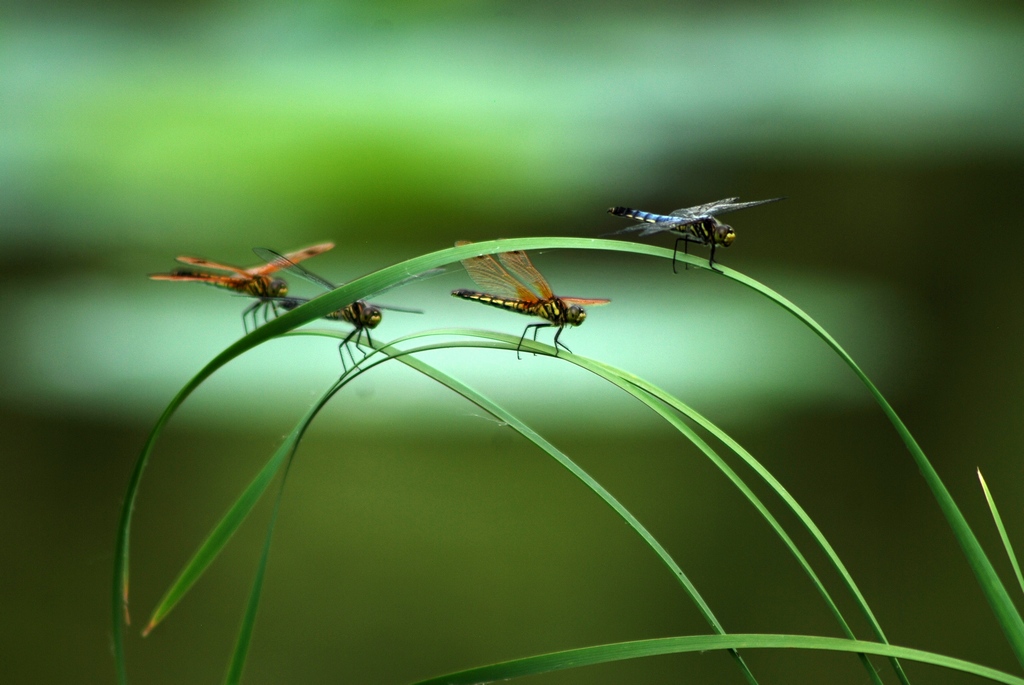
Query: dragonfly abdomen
{"points": [[639, 215], [511, 305]]}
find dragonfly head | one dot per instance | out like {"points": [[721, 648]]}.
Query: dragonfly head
{"points": [[575, 315], [277, 288], [724, 235], [369, 316]]}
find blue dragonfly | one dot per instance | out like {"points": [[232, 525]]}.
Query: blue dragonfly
{"points": [[691, 225]]}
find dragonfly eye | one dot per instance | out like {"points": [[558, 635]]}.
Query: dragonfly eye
{"points": [[575, 315]]}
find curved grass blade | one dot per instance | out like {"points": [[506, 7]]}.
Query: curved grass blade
{"points": [[1006, 613], [994, 591], [310, 311], [513, 422], [1002, 531], [236, 514], [588, 656], [658, 400], [229, 524], [241, 650]]}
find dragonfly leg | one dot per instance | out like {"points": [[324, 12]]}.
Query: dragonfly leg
{"points": [[711, 260], [685, 240], [369, 341], [675, 250], [535, 327], [250, 310], [344, 346], [558, 344]]}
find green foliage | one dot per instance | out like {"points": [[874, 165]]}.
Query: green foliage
{"points": [[672, 410]]}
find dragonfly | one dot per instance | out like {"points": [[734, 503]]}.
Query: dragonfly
{"points": [[691, 225], [363, 315], [527, 292], [255, 282]]}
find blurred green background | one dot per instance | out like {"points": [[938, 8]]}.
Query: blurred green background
{"points": [[417, 537]]}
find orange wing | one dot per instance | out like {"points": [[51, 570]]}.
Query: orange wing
{"points": [[262, 269], [232, 282], [489, 275], [519, 264], [207, 264], [583, 301], [293, 257]]}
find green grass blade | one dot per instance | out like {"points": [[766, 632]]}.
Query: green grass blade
{"points": [[1002, 531], [659, 401], [233, 519], [588, 656], [218, 538], [1006, 613], [299, 316], [227, 526], [513, 422], [244, 639], [1009, 619]]}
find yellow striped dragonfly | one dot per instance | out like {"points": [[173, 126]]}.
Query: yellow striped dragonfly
{"points": [[691, 225], [526, 293]]}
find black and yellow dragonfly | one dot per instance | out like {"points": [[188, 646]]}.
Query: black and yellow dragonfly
{"points": [[254, 282], [691, 225], [527, 293], [362, 315]]}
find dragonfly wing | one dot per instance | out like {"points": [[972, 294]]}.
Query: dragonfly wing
{"points": [[646, 228], [730, 205], [519, 264], [207, 264], [489, 275], [291, 257], [584, 302], [415, 277], [393, 308], [224, 281], [277, 261]]}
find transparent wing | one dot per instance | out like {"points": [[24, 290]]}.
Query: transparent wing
{"points": [[728, 204], [494, 280], [393, 308], [290, 257], [646, 228], [408, 279], [279, 261], [519, 264]]}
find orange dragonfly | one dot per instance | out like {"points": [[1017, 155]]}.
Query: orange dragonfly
{"points": [[255, 282], [527, 293]]}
